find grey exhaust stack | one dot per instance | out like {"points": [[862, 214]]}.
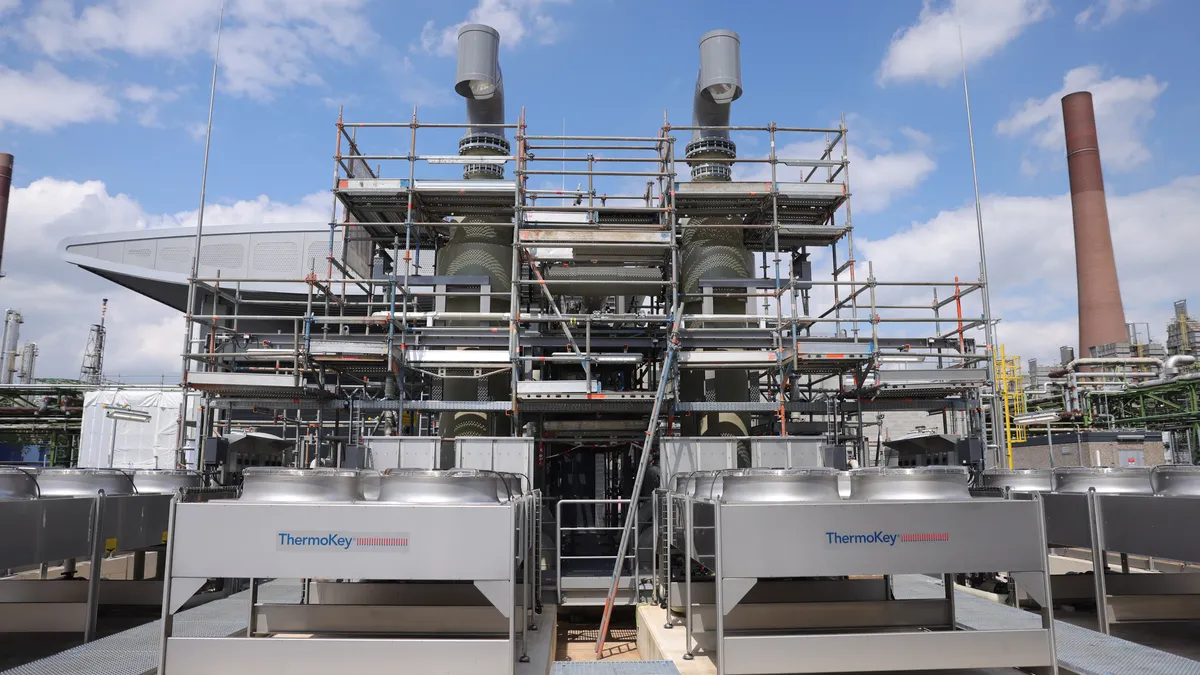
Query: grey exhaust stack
{"points": [[480, 81], [715, 252], [718, 85], [478, 250]]}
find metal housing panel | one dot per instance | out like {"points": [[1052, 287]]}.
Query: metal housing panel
{"points": [[680, 455], [792, 540], [510, 455], [441, 542], [321, 656], [787, 452], [402, 452], [1150, 525], [847, 653]]}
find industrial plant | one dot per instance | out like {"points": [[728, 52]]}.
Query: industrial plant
{"points": [[481, 413]]}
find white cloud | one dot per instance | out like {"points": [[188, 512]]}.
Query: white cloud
{"points": [[44, 99], [9, 5], [1111, 10], [266, 44], [875, 179], [147, 100], [144, 337], [1031, 259], [513, 19], [1124, 107], [929, 49]]}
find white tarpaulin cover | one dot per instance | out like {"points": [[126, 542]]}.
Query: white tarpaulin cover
{"points": [[140, 445]]}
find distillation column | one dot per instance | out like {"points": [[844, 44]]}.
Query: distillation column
{"points": [[715, 252], [479, 251]]}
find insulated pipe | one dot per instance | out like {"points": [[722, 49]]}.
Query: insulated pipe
{"points": [[1111, 361], [715, 252], [480, 250], [1101, 316], [6, 169]]}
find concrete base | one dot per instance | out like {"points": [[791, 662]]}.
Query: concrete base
{"points": [[541, 643], [656, 643], [668, 644]]}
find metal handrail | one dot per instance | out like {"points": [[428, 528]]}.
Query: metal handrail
{"points": [[559, 529]]}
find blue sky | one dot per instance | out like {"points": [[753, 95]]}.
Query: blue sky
{"points": [[103, 104]]}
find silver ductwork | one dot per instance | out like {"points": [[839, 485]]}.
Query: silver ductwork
{"points": [[479, 251], [716, 252]]}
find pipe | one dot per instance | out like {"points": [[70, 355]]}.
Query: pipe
{"points": [[475, 248], [1101, 316], [6, 169], [1110, 361], [480, 81], [718, 85], [715, 252]]}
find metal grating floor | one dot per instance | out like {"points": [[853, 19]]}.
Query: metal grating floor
{"points": [[614, 668], [135, 651], [1080, 650]]}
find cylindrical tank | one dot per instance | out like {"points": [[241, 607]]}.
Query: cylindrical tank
{"points": [[1020, 480], [1176, 480], [279, 485], [84, 482], [1106, 480], [716, 252], [17, 483], [453, 486], [480, 250], [165, 481], [926, 483], [780, 485]]}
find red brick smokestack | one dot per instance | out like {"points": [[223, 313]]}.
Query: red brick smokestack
{"points": [[6, 168], [1101, 317]]}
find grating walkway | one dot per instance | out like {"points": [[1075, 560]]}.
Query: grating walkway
{"points": [[615, 668], [1080, 650], [135, 651]]}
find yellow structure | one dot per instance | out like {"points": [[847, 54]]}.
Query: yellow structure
{"points": [[1011, 390]]}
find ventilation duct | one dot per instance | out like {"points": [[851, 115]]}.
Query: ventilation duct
{"points": [[480, 81], [715, 252], [478, 250], [718, 84]]}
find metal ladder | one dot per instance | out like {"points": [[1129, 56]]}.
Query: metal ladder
{"points": [[662, 544]]}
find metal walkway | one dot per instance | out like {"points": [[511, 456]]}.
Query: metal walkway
{"points": [[1080, 650], [135, 651]]}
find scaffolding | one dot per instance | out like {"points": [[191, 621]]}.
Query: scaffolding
{"points": [[595, 292]]}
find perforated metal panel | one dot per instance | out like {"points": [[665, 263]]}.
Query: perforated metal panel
{"points": [[275, 256]]}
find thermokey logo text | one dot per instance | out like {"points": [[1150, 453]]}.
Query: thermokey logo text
{"points": [[337, 541], [881, 537]]}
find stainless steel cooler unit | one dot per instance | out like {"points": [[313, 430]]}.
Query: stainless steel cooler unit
{"points": [[798, 577], [432, 576]]}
